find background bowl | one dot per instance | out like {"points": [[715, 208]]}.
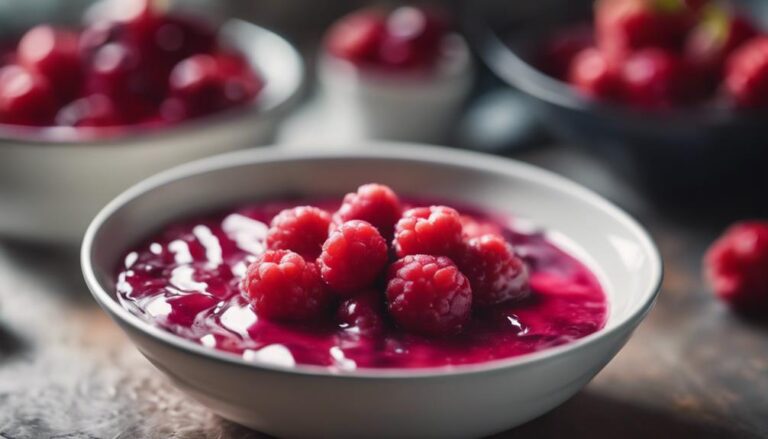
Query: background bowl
{"points": [[690, 154], [310, 401], [398, 105], [52, 182]]}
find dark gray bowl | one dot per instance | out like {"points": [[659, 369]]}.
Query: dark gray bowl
{"points": [[688, 154]]}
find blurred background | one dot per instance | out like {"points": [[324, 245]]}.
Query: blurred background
{"points": [[686, 170]]}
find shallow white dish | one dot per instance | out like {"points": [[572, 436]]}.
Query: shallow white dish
{"points": [[307, 401], [52, 183]]}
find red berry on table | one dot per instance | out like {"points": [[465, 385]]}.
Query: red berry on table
{"points": [[592, 75], [428, 295], [657, 79], [353, 257], [90, 111], [495, 272], [373, 203], [746, 76], [412, 38], [356, 37], [26, 98], [735, 266], [281, 285], [362, 313], [54, 54], [301, 229], [435, 230], [715, 38], [558, 52], [624, 26]]}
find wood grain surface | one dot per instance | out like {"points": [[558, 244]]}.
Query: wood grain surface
{"points": [[693, 369]]}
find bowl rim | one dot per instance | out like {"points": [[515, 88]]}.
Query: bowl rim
{"points": [[60, 136], [374, 150], [507, 64]]}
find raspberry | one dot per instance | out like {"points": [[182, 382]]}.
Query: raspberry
{"points": [[624, 26], [412, 38], [428, 295], [301, 229], [362, 313], [746, 77], [118, 71], [26, 98], [352, 257], [654, 78], [735, 266], [54, 54], [356, 37], [474, 228], [434, 230], [374, 203], [495, 272], [205, 83], [281, 285], [719, 34], [406, 38], [592, 75]]}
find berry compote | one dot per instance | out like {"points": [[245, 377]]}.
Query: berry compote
{"points": [[361, 300]]}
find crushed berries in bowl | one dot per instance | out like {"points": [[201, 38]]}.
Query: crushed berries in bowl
{"points": [[149, 67], [371, 281], [402, 39], [653, 54]]}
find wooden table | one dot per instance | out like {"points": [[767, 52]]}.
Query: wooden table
{"points": [[693, 369]]}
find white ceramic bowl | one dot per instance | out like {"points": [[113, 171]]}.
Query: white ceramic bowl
{"points": [[395, 105], [307, 401], [52, 183]]}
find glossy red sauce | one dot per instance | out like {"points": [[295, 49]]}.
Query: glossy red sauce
{"points": [[186, 280]]}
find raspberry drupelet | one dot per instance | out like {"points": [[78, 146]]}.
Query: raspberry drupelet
{"points": [[374, 203], [302, 229], [281, 285], [495, 272], [428, 295], [435, 230], [352, 258]]}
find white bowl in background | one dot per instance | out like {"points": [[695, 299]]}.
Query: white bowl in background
{"points": [[52, 181], [413, 107], [442, 402]]}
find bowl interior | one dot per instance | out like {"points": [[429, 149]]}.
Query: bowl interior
{"points": [[509, 36], [606, 239], [276, 60]]}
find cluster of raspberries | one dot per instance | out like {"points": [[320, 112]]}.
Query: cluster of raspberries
{"points": [[425, 268], [663, 54]]}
